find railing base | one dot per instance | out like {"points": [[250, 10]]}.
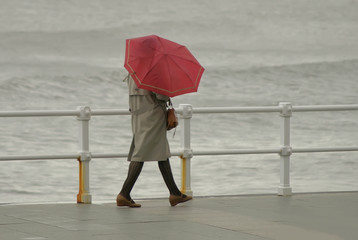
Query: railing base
{"points": [[84, 198], [284, 191], [188, 192]]}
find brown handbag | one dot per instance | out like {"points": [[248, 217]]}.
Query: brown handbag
{"points": [[172, 120]]}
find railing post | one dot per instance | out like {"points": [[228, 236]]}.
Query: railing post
{"points": [[286, 112], [84, 155], [185, 118]]}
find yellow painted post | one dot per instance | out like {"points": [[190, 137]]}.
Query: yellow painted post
{"points": [[81, 186], [185, 118], [83, 195], [84, 158], [183, 174]]}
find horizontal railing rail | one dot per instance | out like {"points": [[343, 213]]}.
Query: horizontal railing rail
{"points": [[199, 110], [185, 112], [62, 113], [179, 153]]}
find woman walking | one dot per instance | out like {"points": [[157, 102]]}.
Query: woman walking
{"points": [[149, 143]]}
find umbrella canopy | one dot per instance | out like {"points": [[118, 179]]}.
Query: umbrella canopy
{"points": [[162, 66]]}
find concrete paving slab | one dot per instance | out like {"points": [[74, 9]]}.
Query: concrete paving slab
{"points": [[328, 216]]}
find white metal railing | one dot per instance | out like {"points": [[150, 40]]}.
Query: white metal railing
{"points": [[185, 112]]}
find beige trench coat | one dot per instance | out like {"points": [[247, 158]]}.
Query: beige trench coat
{"points": [[148, 110]]}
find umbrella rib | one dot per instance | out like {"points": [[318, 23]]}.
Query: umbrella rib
{"points": [[168, 70], [150, 69], [176, 49], [187, 74], [186, 59]]}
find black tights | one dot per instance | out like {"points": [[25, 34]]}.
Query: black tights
{"points": [[167, 174], [133, 172], [135, 169]]}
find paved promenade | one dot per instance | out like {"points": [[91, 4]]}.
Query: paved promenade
{"points": [[326, 216]]}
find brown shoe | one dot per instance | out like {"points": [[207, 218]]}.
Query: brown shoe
{"points": [[174, 200], [122, 201]]}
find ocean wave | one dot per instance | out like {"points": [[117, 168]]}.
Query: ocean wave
{"points": [[303, 83]]}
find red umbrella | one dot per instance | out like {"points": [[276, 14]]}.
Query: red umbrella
{"points": [[162, 66]]}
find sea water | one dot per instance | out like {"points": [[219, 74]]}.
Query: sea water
{"points": [[57, 55]]}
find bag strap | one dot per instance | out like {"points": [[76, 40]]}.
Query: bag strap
{"points": [[170, 104]]}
